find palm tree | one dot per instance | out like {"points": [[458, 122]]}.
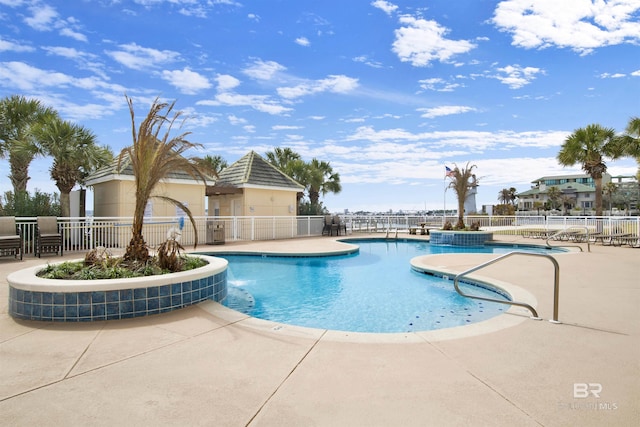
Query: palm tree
{"points": [[461, 181], [17, 115], [630, 142], [215, 163], [283, 158], [589, 146], [292, 165], [321, 180], [152, 158], [505, 196], [74, 151], [610, 189], [554, 195]]}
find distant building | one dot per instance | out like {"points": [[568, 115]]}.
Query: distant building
{"points": [[579, 191]]}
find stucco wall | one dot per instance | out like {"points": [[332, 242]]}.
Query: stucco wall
{"points": [[255, 202], [267, 202], [117, 199]]}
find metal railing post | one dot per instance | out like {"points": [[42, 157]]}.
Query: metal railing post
{"points": [[556, 284]]}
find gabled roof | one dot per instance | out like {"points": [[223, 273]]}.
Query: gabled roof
{"points": [[253, 171]]}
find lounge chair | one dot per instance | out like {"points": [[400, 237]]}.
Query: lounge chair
{"points": [[48, 236], [10, 237]]}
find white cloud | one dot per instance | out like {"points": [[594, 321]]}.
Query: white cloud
{"points": [[261, 103], [612, 76], [636, 73], [439, 85], [445, 110], [187, 81], [303, 41], [365, 60], [335, 84], [516, 76], [463, 139], [43, 17], [263, 70], [8, 46], [226, 82], [68, 32], [420, 42], [25, 77], [385, 6], [285, 127], [138, 58], [581, 25], [235, 120]]}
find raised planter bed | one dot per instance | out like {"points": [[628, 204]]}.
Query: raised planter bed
{"points": [[34, 298]]}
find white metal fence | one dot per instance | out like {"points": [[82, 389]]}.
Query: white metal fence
{"points": [[82, 234]]}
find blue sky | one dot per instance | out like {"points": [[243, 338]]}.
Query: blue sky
{"points": [[389, 92]]}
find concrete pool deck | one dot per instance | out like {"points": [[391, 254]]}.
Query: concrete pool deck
{"points": [[207, 365]]}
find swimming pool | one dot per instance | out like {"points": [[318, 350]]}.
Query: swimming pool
{"points": [[372, 290]]}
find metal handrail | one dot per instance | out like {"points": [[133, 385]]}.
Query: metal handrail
{"points": [[556, 284], [570, 246]]}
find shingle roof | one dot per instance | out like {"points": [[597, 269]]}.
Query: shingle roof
{"points": [[110, 172], [253, 170]]}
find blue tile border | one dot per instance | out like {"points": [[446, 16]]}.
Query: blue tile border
{"points": [[114, 304], [460, 238]]}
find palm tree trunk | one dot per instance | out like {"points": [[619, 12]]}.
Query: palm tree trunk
{"points": [[598, 182], [19, 166], [65, 204], [460, 223]]}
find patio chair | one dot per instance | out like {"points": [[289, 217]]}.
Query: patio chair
{"points": [[337, 224], [48, 236], [326, 229], [10, 237]]}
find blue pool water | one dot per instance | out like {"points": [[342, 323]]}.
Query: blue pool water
{"points": [[374, 290]]}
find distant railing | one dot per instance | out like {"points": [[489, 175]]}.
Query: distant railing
{"points": [[82, 234]]}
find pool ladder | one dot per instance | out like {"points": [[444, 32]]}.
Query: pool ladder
{"points": [[556, 284], [389, 231]]}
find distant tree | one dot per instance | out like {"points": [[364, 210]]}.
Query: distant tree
{"points": [[630, 142], [17, 116], [152, 158], [23, 204], [610, 188], [215, 163], [283, 159], [507, 196], [461, 181], [292, 165], [538, 205], [74, 151], [554, 195], [589, 146], [568, 202], [321, 180]]}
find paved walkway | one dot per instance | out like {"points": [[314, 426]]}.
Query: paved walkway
{"points": [[207, 365]]}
